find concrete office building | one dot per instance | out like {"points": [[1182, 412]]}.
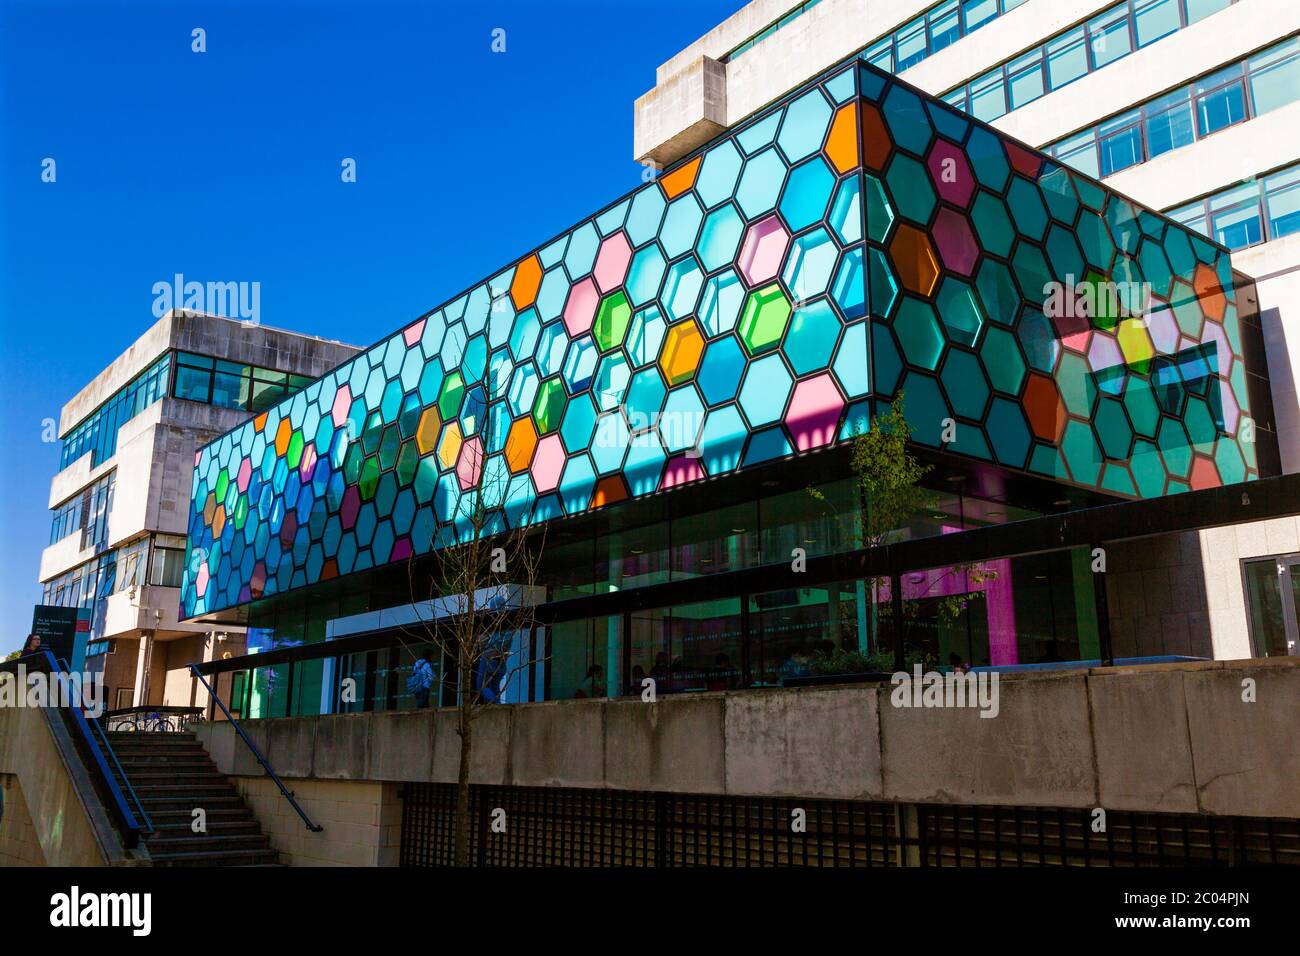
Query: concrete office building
{"points": [[120, 500], [1190, 107]]}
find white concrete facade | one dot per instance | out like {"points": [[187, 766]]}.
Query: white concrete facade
{"points": [[152, 468], [673, 118]]}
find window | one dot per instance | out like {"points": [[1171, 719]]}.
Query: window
{"points": [[1025, 79], [230, 385], [1067, 59], [168, 566], [1154, 19], [97, 433], [1235, 217], [200, 378], [911, 44], [1192, 216], [881, 54], [1220, 100], [945, 26], [988, 99], [1274, 76], [1080, 152], [1108, 36], [1282, 197], [1121, 143], [1169, 122], [976, 13], [1200, 9]]}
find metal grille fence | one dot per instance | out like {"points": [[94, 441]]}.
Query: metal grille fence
{"points": [[552, 826]]}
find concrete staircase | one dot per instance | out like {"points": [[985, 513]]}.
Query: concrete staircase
{"points": [[173, 775]]}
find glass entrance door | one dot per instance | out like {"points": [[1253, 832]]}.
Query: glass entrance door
{"points": [[1273, 600]]}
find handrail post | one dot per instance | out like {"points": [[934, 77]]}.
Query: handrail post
{"points": [[288, 795]]}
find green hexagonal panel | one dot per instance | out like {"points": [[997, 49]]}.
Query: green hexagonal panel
{"points": [[548, 409], [612, 319], [766, 315], [918, 333]]}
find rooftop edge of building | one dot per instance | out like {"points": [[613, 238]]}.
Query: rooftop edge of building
{"points": [[235, 340]]}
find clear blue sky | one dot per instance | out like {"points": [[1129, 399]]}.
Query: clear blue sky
{"points": [[225, 166]]}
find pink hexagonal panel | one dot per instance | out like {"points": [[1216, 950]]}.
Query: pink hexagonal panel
{"points": [[1073, 327], [548, 463], [956, 243], [814, 412], [763, 250], [1104, 353], [412, 333], [951, 173], [470, 464], [581, 307], [680, 470], [201, 580], [245, 472], [611, 262], [342, 405], [1163, 327]]}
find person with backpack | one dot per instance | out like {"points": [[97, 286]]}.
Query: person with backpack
{"points": [[420, 683]]}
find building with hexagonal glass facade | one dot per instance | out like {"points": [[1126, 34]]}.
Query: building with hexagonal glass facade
{"points": [[672, 388]]}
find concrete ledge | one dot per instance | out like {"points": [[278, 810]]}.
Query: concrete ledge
{"points": [[678, 749], [1245, 754], [1036, 752], [1173, 738]]}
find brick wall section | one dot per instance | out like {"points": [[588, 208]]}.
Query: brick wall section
{"points": [[362, 821]]}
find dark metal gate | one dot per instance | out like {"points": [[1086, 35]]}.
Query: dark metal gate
{"points": [[553, 826]]}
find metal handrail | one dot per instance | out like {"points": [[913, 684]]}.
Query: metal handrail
{"points": [[127, 821], [135, 797], [288, 794]]}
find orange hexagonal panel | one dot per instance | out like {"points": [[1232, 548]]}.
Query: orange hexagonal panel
{"points": [[842, 143], [914, 259], [1044, 408], [282, 436], [875, 139], [520, 444], [527, 280], [1213, 302], [609, 490], [683, 347], [259, 422], [680, 179], [426, 434]]}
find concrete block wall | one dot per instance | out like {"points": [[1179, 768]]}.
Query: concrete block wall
{"points": [[362, 821], [19, 844]]}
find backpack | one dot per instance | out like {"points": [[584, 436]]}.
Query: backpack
{"points": [[421, 677]]}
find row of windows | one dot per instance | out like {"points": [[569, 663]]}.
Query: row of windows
{"points": [[941, 26], [1111, 35], [200, 378], [87, 513], [780, 24], [159, 562], [1232, 95], [1249, 213], [196, 378], [97, 433]]}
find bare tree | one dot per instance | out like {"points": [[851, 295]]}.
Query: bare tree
{"points": [[474, 592]]}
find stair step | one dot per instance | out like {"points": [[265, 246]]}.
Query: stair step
{"points": [[206, 842], [236, 812], [144, 778], [172, 828], [188, 804], [217, 858]]}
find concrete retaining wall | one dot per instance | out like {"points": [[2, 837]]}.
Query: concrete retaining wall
{"points": [[1165, 738]]}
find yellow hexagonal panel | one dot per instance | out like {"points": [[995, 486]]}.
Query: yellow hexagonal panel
{"points": [[449, 447], [1135, 344], [426, 434], [683, 347]]}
